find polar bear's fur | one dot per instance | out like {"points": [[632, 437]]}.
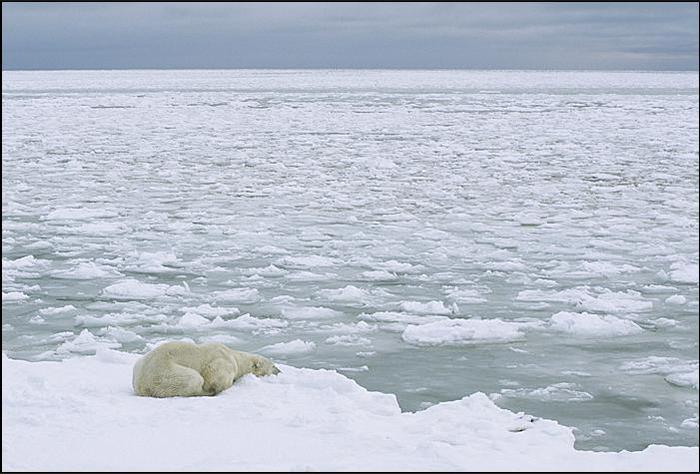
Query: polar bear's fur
{"points": [[183, 369]]}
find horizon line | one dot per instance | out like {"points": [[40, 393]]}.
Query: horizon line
{"points": [[342, 69]]}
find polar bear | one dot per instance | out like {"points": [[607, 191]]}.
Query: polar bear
{"points": [[183, 369]]}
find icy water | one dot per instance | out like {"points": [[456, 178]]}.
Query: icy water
{"points": [[529, 235]]}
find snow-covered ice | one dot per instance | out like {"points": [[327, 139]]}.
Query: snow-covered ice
{"points": [[462, 331], [82, 415], [593, 325]]}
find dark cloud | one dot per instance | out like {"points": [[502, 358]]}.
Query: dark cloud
{"points": [[648, 36]]}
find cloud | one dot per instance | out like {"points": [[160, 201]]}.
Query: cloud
{"points": [[354, 35]]}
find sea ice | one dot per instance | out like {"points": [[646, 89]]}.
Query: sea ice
{"points": [[316, 420], [462, 331]]}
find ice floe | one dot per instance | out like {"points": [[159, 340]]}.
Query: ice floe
{"points": [[315, 419]]}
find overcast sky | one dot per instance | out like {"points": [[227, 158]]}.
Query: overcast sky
{"points": [[648, 36]]}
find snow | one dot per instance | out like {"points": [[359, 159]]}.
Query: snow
{"points": [[81, 415]]}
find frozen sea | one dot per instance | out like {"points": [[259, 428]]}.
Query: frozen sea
{"points": [[529, 235]]}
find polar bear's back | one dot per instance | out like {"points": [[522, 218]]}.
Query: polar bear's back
{"points": [[175, 369], [184, 369]]}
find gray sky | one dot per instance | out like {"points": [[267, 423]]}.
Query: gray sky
{"points": [[649, 36]]}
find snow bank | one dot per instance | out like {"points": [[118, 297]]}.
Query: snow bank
{"points": [[81, 415]]}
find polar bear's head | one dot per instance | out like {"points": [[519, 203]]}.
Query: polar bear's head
{"points": [[263, 366]]}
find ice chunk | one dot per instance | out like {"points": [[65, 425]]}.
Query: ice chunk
{"points": [[310, 312], [349, 293], [462, 331], [431, 307], [14, 296], [593, 325], [348, 340], [676, 299], [238, 295], [684, 272], [558, 392], [134, 289], [297, 346]]}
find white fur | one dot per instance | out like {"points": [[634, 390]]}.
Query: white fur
{"points": [[183, 369]]}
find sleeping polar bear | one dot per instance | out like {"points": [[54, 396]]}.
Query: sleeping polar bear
{"points": [[183, 369]]}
